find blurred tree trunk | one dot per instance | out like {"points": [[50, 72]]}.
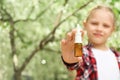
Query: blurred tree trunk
{"points": [[17, 76]]}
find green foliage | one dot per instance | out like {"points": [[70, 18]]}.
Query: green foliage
{"points": [[34, 20]]}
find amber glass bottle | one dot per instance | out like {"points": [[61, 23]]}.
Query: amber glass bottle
{"points": [[78, 43]]}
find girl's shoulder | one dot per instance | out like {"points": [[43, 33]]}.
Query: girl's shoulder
{"points": [[117, 53]]}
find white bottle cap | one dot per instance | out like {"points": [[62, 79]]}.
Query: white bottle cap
{"points": [[78, 37]]}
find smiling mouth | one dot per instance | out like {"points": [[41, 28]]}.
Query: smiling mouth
{"points": [[97, 34]]}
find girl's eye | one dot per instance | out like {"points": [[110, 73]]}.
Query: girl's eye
{"points": [[94, 23], [106, 26]]}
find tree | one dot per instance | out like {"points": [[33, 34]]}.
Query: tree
{"points": [[8, 17]]}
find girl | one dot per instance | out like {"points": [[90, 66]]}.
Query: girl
{"points": [[99, 62]]}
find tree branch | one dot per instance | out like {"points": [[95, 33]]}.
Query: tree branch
{"points": [[38, 16], [50, 36], [81, 7], [20, 36], [48, 7], [47, 39], [9, 17], [51, 50], [11, 36], [13, 46], [27, 60], [11, 33]]}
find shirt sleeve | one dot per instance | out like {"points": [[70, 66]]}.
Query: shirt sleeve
{"points": [[74, 66]]}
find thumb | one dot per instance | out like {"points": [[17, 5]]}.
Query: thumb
{"points": [[80, 59]]}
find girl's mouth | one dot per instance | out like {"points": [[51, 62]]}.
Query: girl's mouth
{"points": [[97, 34]]}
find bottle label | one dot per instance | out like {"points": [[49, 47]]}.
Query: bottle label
{"points": [[78, 39]]}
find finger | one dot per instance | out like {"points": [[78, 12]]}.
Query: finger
{"points": [[83, 32], [63, 42], [73, 34], [74, 31], [69, 36]]}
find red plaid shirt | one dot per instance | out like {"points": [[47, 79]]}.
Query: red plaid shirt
{"points": [[87, 70]]}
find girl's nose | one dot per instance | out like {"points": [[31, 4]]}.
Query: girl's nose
{"points": [[99, 28]]}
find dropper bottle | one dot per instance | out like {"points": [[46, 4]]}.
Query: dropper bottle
{"points": [[78, 43]]}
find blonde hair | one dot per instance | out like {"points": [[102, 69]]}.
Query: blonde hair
{"points": [[102, 7]]}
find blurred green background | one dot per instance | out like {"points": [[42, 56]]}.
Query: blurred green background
{"points": [[30, 34]]}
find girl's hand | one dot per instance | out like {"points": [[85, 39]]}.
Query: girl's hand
{"points": [[67, 48]]}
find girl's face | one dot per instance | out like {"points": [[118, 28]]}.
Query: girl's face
{"points": [[99, 26]]}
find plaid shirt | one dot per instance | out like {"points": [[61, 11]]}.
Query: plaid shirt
{"points": [[87, 70]]}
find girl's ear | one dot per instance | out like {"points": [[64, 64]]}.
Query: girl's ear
{"points": [[114, 28]]}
